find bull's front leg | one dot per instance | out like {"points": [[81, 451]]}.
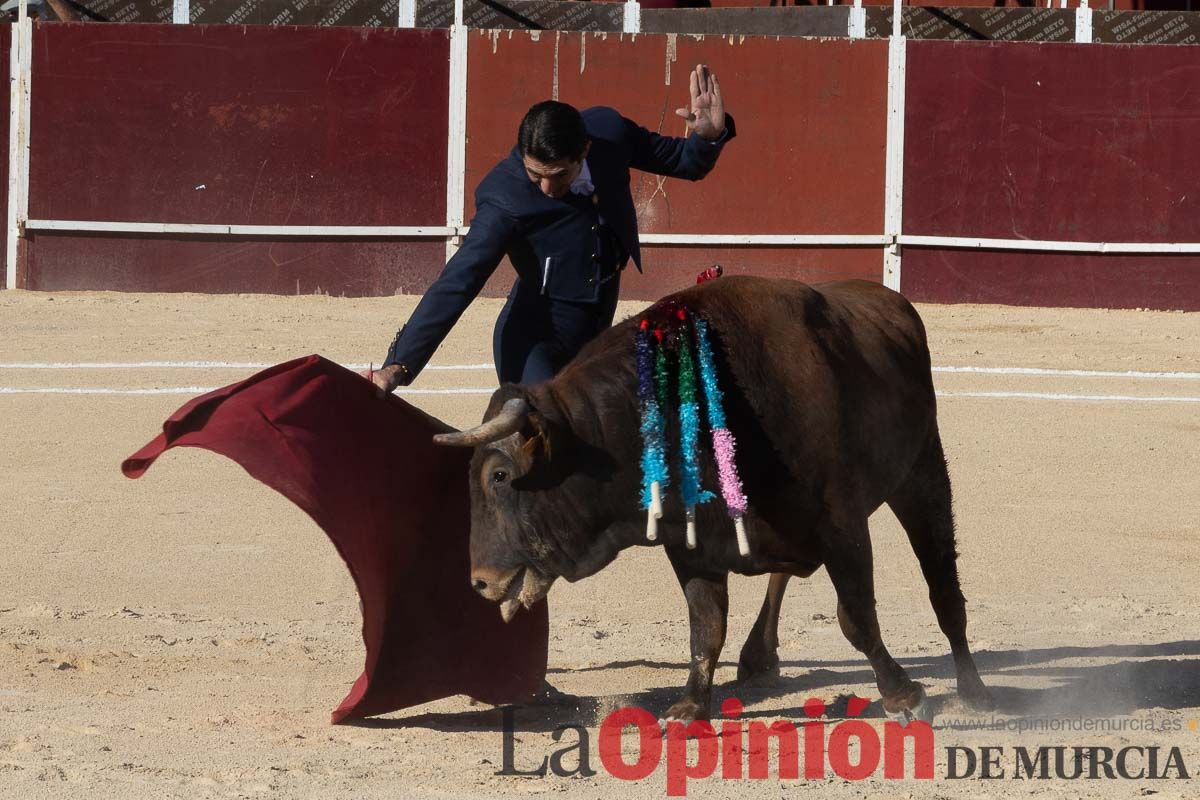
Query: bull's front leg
{"points": [[708, 605]]}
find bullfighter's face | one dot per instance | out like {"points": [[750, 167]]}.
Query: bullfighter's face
{"points": [[554, 178]]}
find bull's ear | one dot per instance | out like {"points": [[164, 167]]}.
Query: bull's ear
{"points": [[550, 452], [539, 439], [538, 447], [548, 436]]}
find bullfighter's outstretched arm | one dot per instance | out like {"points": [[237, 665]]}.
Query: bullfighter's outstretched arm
{"points": [[690, 157], [446, 300]]}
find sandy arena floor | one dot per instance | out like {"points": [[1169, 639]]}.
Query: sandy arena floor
{"points": [[186, 635]]}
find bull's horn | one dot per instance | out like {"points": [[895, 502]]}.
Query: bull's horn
{"points": [[508, 421]]}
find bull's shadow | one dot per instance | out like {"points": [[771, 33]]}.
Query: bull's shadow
{"points": [[1165, 675]]}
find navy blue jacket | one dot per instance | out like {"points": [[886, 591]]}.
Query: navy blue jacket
{"points": [[514, 218]]}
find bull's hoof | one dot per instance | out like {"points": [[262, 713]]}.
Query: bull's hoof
{"points": [[906, 700], [921, 712], [686, 710], [548, 695], [757, 667], [976, 696]]}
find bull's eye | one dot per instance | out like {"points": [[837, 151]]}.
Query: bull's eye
{"points": [[499, 476]]}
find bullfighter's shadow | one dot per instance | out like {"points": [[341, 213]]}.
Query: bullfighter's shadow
{"points": [[1165, 675]]}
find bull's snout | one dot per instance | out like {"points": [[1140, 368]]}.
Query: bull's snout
{"points": [[490, 583]]}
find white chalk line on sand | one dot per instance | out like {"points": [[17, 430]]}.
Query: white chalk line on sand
{"points": [[1094, 398], [237, 365], [233, 365], [198, 390], [1071, 373]]}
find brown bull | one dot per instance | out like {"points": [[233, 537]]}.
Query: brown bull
{"points": [[830, 396]]}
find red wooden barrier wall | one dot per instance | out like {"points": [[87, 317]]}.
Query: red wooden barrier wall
{"points": [[238, 125], [344, 126], [1133, 5], [1057, 142]]}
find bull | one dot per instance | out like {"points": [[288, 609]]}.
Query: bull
{"points": [[830, 396]]}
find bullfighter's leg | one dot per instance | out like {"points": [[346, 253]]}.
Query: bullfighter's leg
{"points": [[923, 506], [848, 560], [521, 346], [760, 653], [708, 604]]}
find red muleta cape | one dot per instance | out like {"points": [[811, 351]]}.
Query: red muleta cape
{"points": [[396, 507]]}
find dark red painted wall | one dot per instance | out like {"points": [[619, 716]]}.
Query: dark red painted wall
{"points": [[669, 269], [672, 268], [1052, 141], [809, 156], [1137, 5], [243, 125], [353, 268], [1051, 279], [348, 126]]}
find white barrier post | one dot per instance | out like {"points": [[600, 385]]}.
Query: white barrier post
{"points": [[14, 133], [894, 159], [18, 140], [1083, 23], [181, 12], [407, 14], [858, 21], [456, 153], [632, 22]]}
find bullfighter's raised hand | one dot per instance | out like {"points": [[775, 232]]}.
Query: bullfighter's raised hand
{"points": [[706, 113]]}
